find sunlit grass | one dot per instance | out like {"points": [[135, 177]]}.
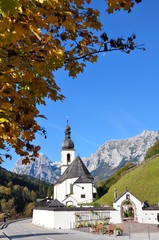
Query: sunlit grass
{"points": [[143, 182]]}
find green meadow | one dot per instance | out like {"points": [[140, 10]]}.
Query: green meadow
{"points": [[142, 182]]}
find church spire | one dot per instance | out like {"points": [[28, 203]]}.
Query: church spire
{"points": [[68, 151], [68, 143], [67, 131]]}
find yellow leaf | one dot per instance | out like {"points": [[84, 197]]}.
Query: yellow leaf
{"points": [[35, 33], [20, 10], [41, 1], [2, 120]]}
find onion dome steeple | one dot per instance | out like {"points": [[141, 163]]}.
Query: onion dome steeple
{"points": [[67, 143]]}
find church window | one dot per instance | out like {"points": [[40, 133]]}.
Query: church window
{"points": [[83, 195], [68, 158], [82, 187], [127, 196], [71, 188]]}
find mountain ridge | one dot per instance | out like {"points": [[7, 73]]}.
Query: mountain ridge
{"points": [[108, 158], [42, 168], [114, 154]]}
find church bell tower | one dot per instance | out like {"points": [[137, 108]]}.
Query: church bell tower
{"points": [[68, 151]]}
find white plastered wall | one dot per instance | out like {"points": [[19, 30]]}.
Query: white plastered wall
{"points": [[138, 205], [142, 216], [146, 216], [63, 189], [83, 189], [150, 216], [64, 220], [115, 217], [43, 218], [78, 190], [64, 164], [53, 220]]}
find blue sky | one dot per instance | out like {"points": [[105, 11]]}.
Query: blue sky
{"points": [[115, 98]]}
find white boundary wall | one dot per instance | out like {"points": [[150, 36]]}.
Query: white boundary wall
{"points": [[43, 218], [150, 216], [66, 219], [53, 219], [62, 219]]}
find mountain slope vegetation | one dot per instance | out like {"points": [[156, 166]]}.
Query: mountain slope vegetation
{"points": [[103, 186], [152, 151], [143, 182], [18, 193]]}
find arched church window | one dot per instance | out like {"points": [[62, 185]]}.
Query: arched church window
{"points": [[68, 158], [71, 188]]}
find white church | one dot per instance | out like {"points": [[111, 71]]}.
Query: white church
{"points": [[75, 185]]}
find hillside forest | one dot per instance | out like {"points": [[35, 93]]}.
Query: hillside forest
{"points": [[18, 193], [152, 151]]}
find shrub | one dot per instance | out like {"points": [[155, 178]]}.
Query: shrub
{"points": [[29, 209]]}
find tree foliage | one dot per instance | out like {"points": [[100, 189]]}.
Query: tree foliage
{"points": [[103, 186], [19, 192], [152, 151], [38, 37], [29, 209], [122, 4]]}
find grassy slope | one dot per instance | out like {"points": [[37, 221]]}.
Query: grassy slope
{"points": [[142, 182]]}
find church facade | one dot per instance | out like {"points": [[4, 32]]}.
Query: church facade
{"points": [[75, 185]]}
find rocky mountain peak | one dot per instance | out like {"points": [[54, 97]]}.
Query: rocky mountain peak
{"points": [[42, 168], [114, 154], [108, 158]]}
